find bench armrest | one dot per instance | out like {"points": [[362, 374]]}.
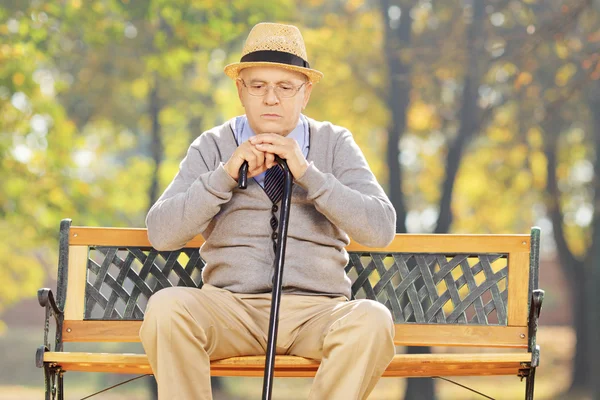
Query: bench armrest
{"points": [[537, 298], [46, 300]]}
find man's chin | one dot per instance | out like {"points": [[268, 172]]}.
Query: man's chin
{"points": [[271, 127]]}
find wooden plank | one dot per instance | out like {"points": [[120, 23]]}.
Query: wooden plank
{"points": [[403, 365], [101, 331], [125, 237], [411, 243], [406, 334], [461, 335], [451, 243], [518, 289], [77, 275]]}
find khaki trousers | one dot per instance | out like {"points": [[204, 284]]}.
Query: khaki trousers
{"points": [[185, 328]]}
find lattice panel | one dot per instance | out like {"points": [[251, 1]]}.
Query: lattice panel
{"points": [[417, 288], [121, 280], [434, 288]]}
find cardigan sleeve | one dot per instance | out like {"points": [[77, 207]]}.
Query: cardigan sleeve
{"points": [[193, 198], [350, 197]]}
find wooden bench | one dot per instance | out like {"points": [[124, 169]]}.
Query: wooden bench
{"points": [[443, 290]]}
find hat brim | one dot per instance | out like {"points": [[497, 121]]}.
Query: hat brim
{"points": [[233, 70]]}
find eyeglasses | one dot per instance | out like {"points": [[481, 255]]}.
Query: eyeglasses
{"points": [[282, 90]]}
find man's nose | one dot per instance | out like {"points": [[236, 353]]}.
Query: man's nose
{"points": [[270, 98]]}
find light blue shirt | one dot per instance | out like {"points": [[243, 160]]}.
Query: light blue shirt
{"points": [[243, 132]]}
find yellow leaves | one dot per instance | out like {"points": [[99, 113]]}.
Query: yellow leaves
{"points": [[21, 273], [18, 79], [444, 73], [535, 138], [170, 116], [577, 239], [140, 88], [504, 116], [500, 134], [76, 4], [343, 71], [57, 196], [135, 183], [561, 49], [98, 6], [18, 50], [564, 74], [14, 187], [522, 181], [353, 5], [422, 117], [472, 180], [516, 155], [538, 166], [523, 79]]}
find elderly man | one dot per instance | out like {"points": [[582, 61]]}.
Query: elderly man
{"points": [[335, 196]]}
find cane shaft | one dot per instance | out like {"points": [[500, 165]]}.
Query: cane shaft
{"points": [[284, 217]]}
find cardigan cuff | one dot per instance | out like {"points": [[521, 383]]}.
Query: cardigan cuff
{"points": [[312, 180], [221, 181]]}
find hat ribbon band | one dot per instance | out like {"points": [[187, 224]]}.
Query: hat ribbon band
{"points": [[276, 57]]}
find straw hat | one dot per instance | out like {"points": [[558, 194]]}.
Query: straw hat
{"points": [[270, 44]]}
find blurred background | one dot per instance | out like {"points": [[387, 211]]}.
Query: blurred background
{"points": [[476, 116]]}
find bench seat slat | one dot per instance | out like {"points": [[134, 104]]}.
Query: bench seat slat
{"points": [[403, 365]]}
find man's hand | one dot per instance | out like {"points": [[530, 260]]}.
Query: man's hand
{"points": [[258, 160], [284, 147]]}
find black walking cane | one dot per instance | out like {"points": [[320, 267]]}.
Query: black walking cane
{"points": [[284, 217]]}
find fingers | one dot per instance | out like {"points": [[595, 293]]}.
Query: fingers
{"points": [[270, 160], [272, 143], [260, 151], [246, 152], [257, 157]]}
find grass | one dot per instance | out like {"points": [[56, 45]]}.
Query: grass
{"points": [[20, 379]]}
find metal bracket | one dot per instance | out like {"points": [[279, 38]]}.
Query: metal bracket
{"points": [[524, 372], [46, 300], [535, 356], [39, 356]]}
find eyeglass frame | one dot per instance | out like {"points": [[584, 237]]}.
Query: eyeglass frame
{"points": [[297, 89]]}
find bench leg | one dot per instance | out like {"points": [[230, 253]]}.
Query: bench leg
{"points": [[48, 375], [53, 383], [529, 384], [60, 386]]}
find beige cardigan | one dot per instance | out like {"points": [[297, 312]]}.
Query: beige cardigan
{"points": [[337, 196]]}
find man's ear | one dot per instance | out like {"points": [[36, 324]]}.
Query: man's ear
{"points": [[239, 86], [307, 91]]}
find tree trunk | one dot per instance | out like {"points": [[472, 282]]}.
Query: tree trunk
{"points": [[469, 115], [573, 269], [156, 145], [581, 371], [593, 257], [397, 39]]}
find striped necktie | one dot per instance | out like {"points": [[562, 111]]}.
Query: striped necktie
{"points": [[274, 183]]}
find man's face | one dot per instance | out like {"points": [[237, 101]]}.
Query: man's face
{"points": [[271, 113]]}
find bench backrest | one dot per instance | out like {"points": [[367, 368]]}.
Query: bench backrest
{"points": [[474, 288]]}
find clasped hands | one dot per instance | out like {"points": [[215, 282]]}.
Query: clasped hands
{"points": [[260, 151]]}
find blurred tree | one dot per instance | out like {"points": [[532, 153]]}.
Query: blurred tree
{"points": [[554, 96]]}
